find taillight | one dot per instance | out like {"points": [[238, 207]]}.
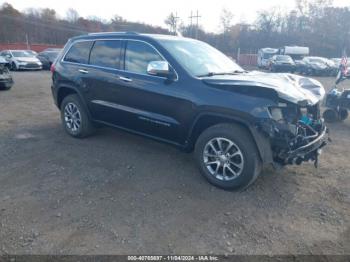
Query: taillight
{"points": [[52, 68]]}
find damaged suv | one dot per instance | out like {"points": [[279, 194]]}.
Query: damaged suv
{"points": [[187, 93]]}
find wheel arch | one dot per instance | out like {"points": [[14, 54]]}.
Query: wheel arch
{"points": [[64, 91], [206, 120]]}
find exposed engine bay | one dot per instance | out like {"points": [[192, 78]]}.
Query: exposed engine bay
{"points": [[297, 133]]}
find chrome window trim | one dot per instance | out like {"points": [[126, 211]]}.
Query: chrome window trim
{"points": [[111, 68]]}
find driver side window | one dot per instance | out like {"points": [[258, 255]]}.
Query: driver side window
{"points": [[138, 55]]}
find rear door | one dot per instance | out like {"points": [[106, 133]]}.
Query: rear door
{"points": [[103, 83], [75, 63]]}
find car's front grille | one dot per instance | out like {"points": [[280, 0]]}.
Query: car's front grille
{"points": [[31, 65]]}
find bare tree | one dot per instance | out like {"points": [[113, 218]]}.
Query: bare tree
{"points": [[72, 15], [171, 21], [48, 14], [226, 19]]}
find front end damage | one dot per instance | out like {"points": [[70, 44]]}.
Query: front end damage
{"points": [[286, 112], [296, 133]]}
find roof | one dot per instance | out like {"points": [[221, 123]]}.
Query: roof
{"points": [[128, 34]]}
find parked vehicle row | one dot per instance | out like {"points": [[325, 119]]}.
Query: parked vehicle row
{"points": [[29, 59], [296, 59], [310, 65], [317, 66]]}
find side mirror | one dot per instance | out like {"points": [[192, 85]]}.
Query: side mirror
{"points": [[8, 56], [158, 68]]}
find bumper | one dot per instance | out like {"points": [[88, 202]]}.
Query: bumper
{"points": [[30, 66], [297, 149], [6, 82], [323, 72], [310, 148], [285, 68]]}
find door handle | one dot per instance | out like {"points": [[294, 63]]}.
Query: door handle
{"points": [[125, 79], [83, 71]]}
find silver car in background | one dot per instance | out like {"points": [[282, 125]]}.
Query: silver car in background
{"points": [[21, 59]]}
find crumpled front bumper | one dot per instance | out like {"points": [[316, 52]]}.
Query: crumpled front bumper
{"points": [[286, 150], [309, 151]]}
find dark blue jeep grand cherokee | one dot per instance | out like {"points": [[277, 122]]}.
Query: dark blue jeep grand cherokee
{"points": [[187, 93]]}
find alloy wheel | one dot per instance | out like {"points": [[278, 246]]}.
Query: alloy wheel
{"points": [[223, 159], [72, 117]]}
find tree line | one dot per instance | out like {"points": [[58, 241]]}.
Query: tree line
{"points": [[317, 24]]}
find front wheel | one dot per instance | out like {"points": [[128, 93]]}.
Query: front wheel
{"points": [[13, 66], [227, 157]]}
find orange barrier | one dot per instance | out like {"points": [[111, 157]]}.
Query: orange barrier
{"points": [[21, 46]]}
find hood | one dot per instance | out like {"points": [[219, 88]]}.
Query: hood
{"points": [[293, 88], [3, 60], [318, 64], [27, 59]]}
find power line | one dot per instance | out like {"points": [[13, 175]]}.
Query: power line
{"points": [[194, 16]]}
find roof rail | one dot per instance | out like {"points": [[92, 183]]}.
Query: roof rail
{"points": [[113, 33]]}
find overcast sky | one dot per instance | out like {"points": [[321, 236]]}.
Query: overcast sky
{"points": [[154, 11]]}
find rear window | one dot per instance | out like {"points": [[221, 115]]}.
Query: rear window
{"points": [[79, 53], [106, 53]]}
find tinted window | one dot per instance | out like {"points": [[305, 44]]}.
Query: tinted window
{"points": [[21, 54], [79, 53], [138, 55], [106, 53]]}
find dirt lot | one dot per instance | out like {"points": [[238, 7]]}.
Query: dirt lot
{"points": [[117, 193]]}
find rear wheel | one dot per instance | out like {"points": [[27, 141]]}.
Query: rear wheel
{"points": [[227, 156], [75, 118]]}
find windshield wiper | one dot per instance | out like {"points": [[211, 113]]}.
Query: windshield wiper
{"points": [[221, 73]]}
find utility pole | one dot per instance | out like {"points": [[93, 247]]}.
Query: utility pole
{"points": [[27, 42], [197, 26], [191, 25], [176, 18], [196, 16]]}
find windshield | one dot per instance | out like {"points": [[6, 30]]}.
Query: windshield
{"points": [[21, 54], [284, 58], [199, 58], [52, 55], [268, 55]]}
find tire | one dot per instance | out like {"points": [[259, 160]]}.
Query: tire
{"points": [[242, 152], [13, 66], [75, 118], [343, 114], [330, 115]]}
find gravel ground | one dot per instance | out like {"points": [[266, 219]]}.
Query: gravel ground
{"points": [[116, 193]]}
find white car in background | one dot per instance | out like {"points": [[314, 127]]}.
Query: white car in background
{"points": [[21, 59]]}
